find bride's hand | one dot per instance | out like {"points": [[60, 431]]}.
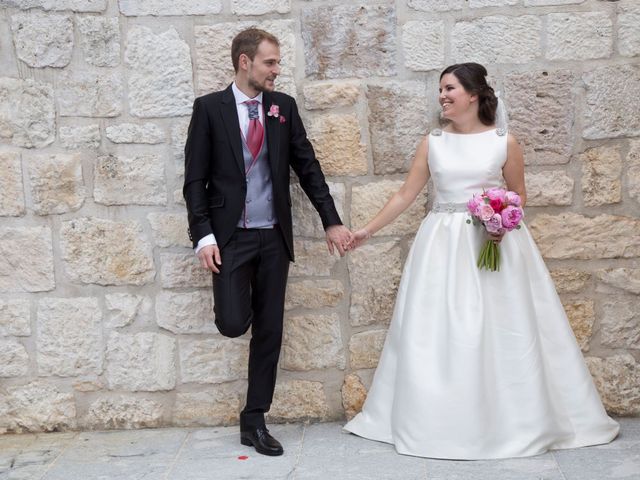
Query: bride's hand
{"points": [[358, 238]]}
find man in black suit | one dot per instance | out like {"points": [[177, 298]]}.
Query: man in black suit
{"points": [[240, 146]]}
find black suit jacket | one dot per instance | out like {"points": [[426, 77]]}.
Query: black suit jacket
{"points": [[215, 185]]}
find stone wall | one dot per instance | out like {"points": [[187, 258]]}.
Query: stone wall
{"points": [[105, 316]]}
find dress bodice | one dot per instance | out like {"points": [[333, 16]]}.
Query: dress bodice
{"points": [[464, 164]]}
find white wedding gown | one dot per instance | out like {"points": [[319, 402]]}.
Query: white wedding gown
{"points": [[478, 364]]}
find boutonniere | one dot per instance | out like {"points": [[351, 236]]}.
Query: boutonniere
{"points": [[274, 111]]}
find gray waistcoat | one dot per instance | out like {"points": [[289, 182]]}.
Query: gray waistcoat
{"points": [[259, 211]]}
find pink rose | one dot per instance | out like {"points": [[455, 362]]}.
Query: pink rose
{"points": [[496, 194], [494, 224], [485, 212], [511, 217], [474, 203], [496, 204], [512, 198], [274, 111]]}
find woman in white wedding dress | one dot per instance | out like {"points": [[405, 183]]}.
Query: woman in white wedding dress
{"points": [[477, 364]]}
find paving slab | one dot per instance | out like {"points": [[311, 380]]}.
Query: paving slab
{"points": [[317, 451]]}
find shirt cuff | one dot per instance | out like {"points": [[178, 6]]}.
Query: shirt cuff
{"points": [[204, 241]]}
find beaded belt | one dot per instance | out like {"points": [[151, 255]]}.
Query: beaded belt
{"points": [[449, 207]]}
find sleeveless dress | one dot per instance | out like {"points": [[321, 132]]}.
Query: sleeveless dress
{"points": [[478, 364]]}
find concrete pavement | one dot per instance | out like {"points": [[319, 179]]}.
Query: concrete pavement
{"points": [[316, 451]]}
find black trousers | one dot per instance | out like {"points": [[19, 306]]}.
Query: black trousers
{"points": [[248, 292]]}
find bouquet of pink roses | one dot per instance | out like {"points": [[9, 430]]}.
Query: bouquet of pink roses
{"points": [[498, 211]]}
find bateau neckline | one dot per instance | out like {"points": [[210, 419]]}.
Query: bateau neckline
{"points": [[469, 134]]}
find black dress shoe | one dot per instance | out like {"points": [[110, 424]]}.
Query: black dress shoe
{"points": [[263, 442]]}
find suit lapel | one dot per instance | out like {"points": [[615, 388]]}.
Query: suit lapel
{"points": [[272, 129], [231, 123]]}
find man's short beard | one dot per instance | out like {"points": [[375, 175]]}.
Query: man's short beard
{"points": [[256, 86]]}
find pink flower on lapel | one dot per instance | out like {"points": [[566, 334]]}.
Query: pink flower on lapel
{"points": [[282, 119], [274, 111]]}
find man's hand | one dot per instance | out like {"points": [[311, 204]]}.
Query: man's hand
{"points": [[209, 257], [338, 236]]}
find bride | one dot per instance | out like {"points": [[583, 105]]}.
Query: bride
{"points": [[477, 364]]}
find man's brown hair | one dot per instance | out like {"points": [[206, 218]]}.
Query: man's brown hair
{"points": [[247, 42]]}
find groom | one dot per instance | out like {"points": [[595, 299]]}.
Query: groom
{"points": [[240, 145]]}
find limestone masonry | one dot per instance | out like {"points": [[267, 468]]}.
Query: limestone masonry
{"points": [[105, 315]]}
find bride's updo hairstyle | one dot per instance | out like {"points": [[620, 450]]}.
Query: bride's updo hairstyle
{"points": [[473, 77]]}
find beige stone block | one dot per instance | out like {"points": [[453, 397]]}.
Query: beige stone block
{"points": [[541, 3], [628, 32], [579, 36], [312, 259], [551, 187], [186, 312], [397, 123], [375, 271], [123, 413], [581, 316], [142, 361], [612, 102], [75, 137], [618, 381], [42, 39], [213, 360], [570, 280], [170, 229], [136, 8], [614, 280], [14, 359], [632, 170], [570, 235], [214, 69], [160, 74], [11, 190], [601, 170], [149, 133], [90, 94], [297, 401], [15, 318], [219, 405], [183, 270], [312, 342], [423, 45], [337, 143], [497, 39], [37, 407], [541, 114], [314, 294], [125, 308], [28, 113], [56, 183], [365, 348], [349, 41], [130, 180], [621, 323], [354, 394], [179, 130], [26, 260], [492, 3], [105, 252], [368, 199], [436, 5], [260, 7], [99, 40], [59, 5], [306, 221], [69, 341], [331, 94]]}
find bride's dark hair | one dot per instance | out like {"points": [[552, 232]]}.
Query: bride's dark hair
{"points": [[472, 76]]}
